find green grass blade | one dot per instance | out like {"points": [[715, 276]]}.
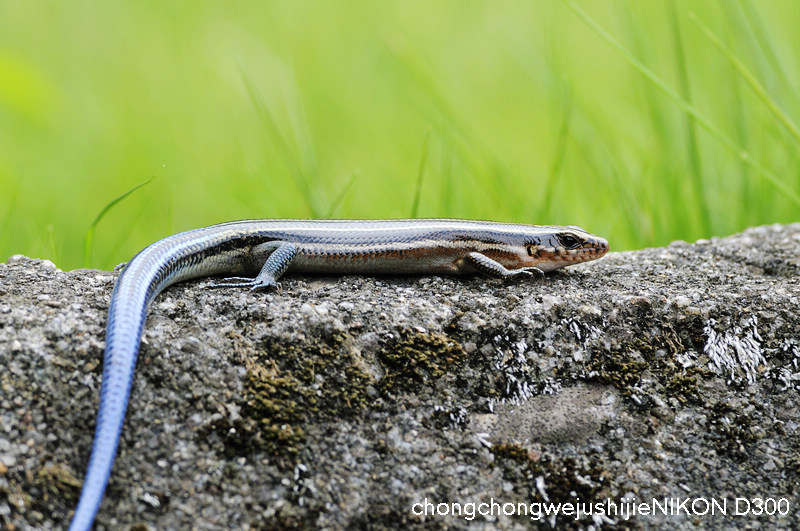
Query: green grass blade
{"points": [[756, 26], [558, 158], [421, 173], [87, 247], [344, 193], [449, 188], [751, 80], [692, 147], [10, 212], [283, 144], [689, 109], [488, 171], [51, 241]]}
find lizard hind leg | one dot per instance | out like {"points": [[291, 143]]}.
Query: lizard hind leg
{"points": [[491, 268], [279, 256]]}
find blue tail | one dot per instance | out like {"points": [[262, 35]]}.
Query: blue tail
{"points": [[122, 345]]}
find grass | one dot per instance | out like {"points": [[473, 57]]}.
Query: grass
{"points": [[644, 123], [716, 132], [87, 246]]}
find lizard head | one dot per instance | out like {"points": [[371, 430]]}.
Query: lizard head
{"points": [[563, 246]]}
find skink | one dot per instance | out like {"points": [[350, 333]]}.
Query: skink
{"points": [[269, 248]]}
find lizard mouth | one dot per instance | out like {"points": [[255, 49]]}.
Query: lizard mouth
{"points": [[596, 247], [589, 250]]}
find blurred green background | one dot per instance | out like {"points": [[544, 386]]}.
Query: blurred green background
{"points": [[678, 124]]}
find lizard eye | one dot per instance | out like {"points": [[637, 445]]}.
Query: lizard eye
{"points": [[569, 241]]}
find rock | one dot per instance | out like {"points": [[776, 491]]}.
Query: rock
{"points": [[649, 377]]}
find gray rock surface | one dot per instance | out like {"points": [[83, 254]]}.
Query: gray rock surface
{"points": [[669, 374]]}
